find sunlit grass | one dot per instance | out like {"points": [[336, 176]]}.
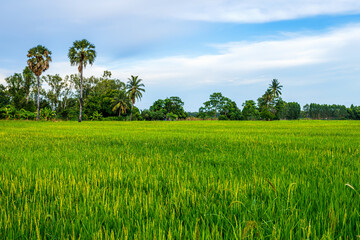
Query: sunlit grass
{"points": [[180, 180]]}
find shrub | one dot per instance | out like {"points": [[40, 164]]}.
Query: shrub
{"points": [[47, 114], [96, 116], [223, 117]]}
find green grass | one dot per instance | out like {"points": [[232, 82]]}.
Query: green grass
{"points": [[180, 180]]}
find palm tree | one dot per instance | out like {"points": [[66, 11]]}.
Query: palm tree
{"points": [[80, 54], [268, 97], [120, 102], [39, 58], [134, 90], [275, 88]]}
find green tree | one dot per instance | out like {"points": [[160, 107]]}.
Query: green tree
{"points": [[174, 105], [80, 54], [120, 102], [280, 108], [268, 98], [57, 86], [158, 105], [134, 89], [4, 96], [275, 88], [170, 108], [218, 104], [293, 110], [29, 82], [213, 106], [230, 110], [250, 111], [39, 58], [15, 90]]}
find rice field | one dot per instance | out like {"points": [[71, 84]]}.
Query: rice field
{"points": [[180, 180]]}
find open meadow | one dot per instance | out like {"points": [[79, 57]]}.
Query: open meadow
{"points": [[180, 180]]}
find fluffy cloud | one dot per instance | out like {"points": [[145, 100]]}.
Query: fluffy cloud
{"points": [[311, 67], [204, 10], [239, 62]]}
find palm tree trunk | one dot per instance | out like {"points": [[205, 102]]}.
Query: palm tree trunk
{"points": [[38, 97], [81, 91], [132, 105]]}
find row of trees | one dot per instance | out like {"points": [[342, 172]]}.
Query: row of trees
{"points": [[269, 107], [96, 98], [324, 111], [102, 97], [23, 90], [112, 99]]}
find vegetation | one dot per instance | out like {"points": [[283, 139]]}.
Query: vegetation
{"points": [[80, 54], [218, 104], [169, 109], [39, 58], [106, 98], [134, 90], [180, 180]]}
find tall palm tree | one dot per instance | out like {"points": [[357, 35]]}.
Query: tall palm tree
{"points": [[120, 102], [80, 54], [275, 88], [39, 58], [134, 89]]}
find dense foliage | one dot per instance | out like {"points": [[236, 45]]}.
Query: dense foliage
{"points": [[168, 109], [221, 107]]}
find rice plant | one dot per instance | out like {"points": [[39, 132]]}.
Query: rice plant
{"points": [[180, 180]]}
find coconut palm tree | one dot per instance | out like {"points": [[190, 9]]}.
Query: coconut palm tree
{"points": [[120, 102], [268, 97], [80, 54], [39, 58], [275, 88], [134, 89]]}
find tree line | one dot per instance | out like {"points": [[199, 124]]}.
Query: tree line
{"points": [[76, 97]]}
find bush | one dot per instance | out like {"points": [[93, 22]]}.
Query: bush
{"points": [[223, 117], [111, 119], [8, 112], [47, 114], [96, 116], [157, 115], [25, 115]]}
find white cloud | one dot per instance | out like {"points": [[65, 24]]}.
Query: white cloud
{"points": [[321, 65], [244, 63], [204, 10], [238, 62], [81, 11]]}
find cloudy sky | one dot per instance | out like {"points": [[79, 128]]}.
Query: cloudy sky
{"points": [[192, 48]]}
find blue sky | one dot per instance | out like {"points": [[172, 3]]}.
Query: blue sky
{"points": [[193, 48]]}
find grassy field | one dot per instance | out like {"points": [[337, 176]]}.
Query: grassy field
{"points": [[180, 180]]}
